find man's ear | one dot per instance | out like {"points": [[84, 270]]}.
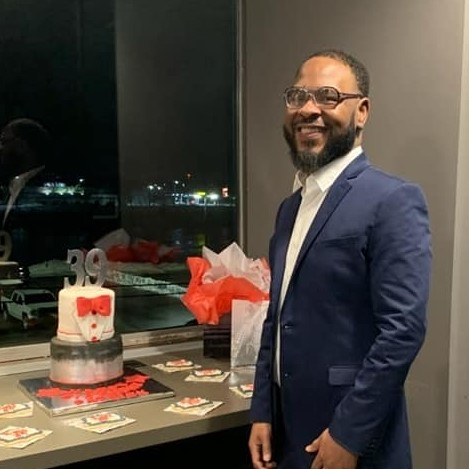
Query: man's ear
{"points": [[361, 114]]}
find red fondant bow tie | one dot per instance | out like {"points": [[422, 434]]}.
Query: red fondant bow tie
{"points": [[100, 305]]}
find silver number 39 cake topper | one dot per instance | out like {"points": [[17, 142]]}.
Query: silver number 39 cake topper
{"points": [[93, 266]]}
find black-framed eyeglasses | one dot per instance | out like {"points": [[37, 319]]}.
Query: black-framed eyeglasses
{"points": [[325, 97]]}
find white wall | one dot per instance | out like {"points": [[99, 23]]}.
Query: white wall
{"points": [[458, 415], [413, 49]]}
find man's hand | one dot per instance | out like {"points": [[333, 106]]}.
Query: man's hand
{"points": [[330, 455], [260, 446]]}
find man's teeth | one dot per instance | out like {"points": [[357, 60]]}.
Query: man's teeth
{"points": [[308, 129]]}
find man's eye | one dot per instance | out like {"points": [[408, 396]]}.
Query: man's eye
{"points": [[299, 96], [326, 95]]}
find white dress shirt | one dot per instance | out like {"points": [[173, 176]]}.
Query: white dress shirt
{"points": [[314, 189], [16, 186]]}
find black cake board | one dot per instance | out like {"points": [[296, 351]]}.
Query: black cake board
{"points": [[61, 404]]}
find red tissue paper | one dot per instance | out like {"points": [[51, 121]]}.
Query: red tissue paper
{"points": [[218, 279]]}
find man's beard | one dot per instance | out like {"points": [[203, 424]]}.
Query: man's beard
{"points": [[336, 146], [7, 168]]}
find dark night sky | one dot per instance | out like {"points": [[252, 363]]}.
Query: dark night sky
{"points": [[64, 76]]}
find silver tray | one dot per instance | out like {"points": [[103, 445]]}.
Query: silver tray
{"points": [[69, 400]]}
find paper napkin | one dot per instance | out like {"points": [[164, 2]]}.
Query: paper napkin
{"points": [[243, 390], [210, 375], [172, 366], [100, 422], [193, 406], [20, 437], [24, 409]]}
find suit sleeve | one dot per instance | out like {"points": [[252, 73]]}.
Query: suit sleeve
{"points": [[261, 402], [399, 260]]}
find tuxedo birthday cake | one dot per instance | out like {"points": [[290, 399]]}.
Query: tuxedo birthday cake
{"points": [[86, 351]]}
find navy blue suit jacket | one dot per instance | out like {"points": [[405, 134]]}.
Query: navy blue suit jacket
{"points": [[41, 228], [353, 319]]}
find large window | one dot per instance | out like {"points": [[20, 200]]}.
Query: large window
{"points": [[132, 105]]}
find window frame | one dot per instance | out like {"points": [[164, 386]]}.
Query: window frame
{"points": [[31, 356]]}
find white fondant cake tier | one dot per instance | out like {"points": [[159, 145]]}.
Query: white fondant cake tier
{"points": [[86, 363], [85, 314]]}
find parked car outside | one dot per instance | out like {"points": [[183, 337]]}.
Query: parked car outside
{"points": [[30, 305]]}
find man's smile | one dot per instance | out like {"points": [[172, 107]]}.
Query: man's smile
{"points": [[305, 131], [309, 128]]}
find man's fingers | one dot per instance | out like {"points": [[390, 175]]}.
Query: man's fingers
{"points": [[266, 456], [312, 447]]}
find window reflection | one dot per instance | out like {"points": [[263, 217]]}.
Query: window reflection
{"points": [[137, 100]]}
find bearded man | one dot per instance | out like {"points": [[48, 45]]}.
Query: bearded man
{"points": [[350, 260]]}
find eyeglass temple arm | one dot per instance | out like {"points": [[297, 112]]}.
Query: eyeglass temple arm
{"points": [[343, 96]]}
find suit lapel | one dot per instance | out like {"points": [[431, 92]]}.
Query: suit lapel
{"points": [[285, 227], [336, 193]]}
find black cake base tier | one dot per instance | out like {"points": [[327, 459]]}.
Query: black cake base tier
{"points": [[134, 386], [84, 364]]}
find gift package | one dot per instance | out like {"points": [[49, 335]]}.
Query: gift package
{"points": [[217, 282]]}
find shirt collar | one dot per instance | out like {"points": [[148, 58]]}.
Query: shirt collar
{"points": [[18, 182], [324, 177], [16, 186]]}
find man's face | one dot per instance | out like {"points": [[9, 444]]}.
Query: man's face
{"points": [[14, 154], [7, 155], [318, 136]]}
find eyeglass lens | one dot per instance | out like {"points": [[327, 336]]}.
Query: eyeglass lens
{"points": [[324, 97]]}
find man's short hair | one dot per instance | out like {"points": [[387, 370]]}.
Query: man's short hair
{"points": [[33, 133], [358, 69]]}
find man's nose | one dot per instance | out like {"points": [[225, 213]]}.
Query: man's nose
{"points": [[310, 107]]}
